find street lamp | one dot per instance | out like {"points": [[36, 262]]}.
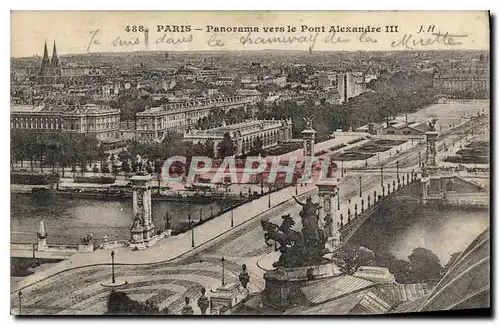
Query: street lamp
{"points": [[20, 294], [338, 199], [269, 197], [113, 267], [232, 217], [419, 159], [397, 169], [34, 245], [192, 229], [382, 176], [360, 189], [342, 168], [222, 260]]}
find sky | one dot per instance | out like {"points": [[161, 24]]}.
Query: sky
{"points": [[106, 31]]}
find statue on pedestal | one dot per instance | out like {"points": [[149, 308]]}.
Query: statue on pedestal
{"points": [[308, 120], [309, 215], [432, 123], [87, 240], [203, 302], [244, 277], [137, 229], [298, 248], [187, 309], [140, 165]]}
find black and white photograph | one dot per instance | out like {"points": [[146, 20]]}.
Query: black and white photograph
{"points": [[256, 163]]}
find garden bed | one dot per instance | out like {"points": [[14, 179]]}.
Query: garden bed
{"points": [[351, 156]]}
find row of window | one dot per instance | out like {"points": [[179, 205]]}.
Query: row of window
{"points": [[58, 125]]}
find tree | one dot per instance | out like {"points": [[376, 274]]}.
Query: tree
{"points": [[120, 304], [424, 266], [401, 270], [352, 257], [257, 146], [226, 147]]}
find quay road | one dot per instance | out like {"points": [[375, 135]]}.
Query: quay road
{"points": [[171, 270]]}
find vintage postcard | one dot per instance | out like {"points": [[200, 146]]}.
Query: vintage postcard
{"points": [[250, 162]]}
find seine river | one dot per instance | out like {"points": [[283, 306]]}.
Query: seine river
{"points": [[67, 221], [402, 227]]}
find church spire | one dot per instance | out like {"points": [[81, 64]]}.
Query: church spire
{"points": [[55, 61], [46, 59]]}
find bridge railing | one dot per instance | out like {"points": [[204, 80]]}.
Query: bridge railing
{"points": [[354, 221]]}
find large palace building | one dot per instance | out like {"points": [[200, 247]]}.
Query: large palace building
{"points": [[154, 123], [103, 122], [468, 80], [270, 132]]}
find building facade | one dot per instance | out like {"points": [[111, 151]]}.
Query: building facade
{"points": [[154, 123], [103, 122], [471, 80], [245, 134]]}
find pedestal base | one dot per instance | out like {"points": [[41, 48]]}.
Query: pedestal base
{"points": [[283, 284], [42, 245], [227, 297], [145, 244], [109, 284], [332, 243]]}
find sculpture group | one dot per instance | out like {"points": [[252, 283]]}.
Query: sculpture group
{"points": [[303, 248]]}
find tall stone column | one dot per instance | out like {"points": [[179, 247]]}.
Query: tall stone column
{"points": [[431, 180], [327, 192], [431, 138], [143, 229], [308, 135]]}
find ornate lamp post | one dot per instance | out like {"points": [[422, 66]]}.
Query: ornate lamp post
{"points": [[113, 267], [222, 261], [190, 221], [20, 295], [360, 189]]}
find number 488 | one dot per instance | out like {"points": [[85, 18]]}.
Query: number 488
{"points": [[134, 28]]}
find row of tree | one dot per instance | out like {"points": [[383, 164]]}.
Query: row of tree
{"points": [[55, 150], [388, 96]]}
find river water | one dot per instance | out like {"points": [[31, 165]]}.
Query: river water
{"points": [[400, 227], [67, 220]]}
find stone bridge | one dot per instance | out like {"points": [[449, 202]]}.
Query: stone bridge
{"points": [[454, 192], [408, 188]]}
